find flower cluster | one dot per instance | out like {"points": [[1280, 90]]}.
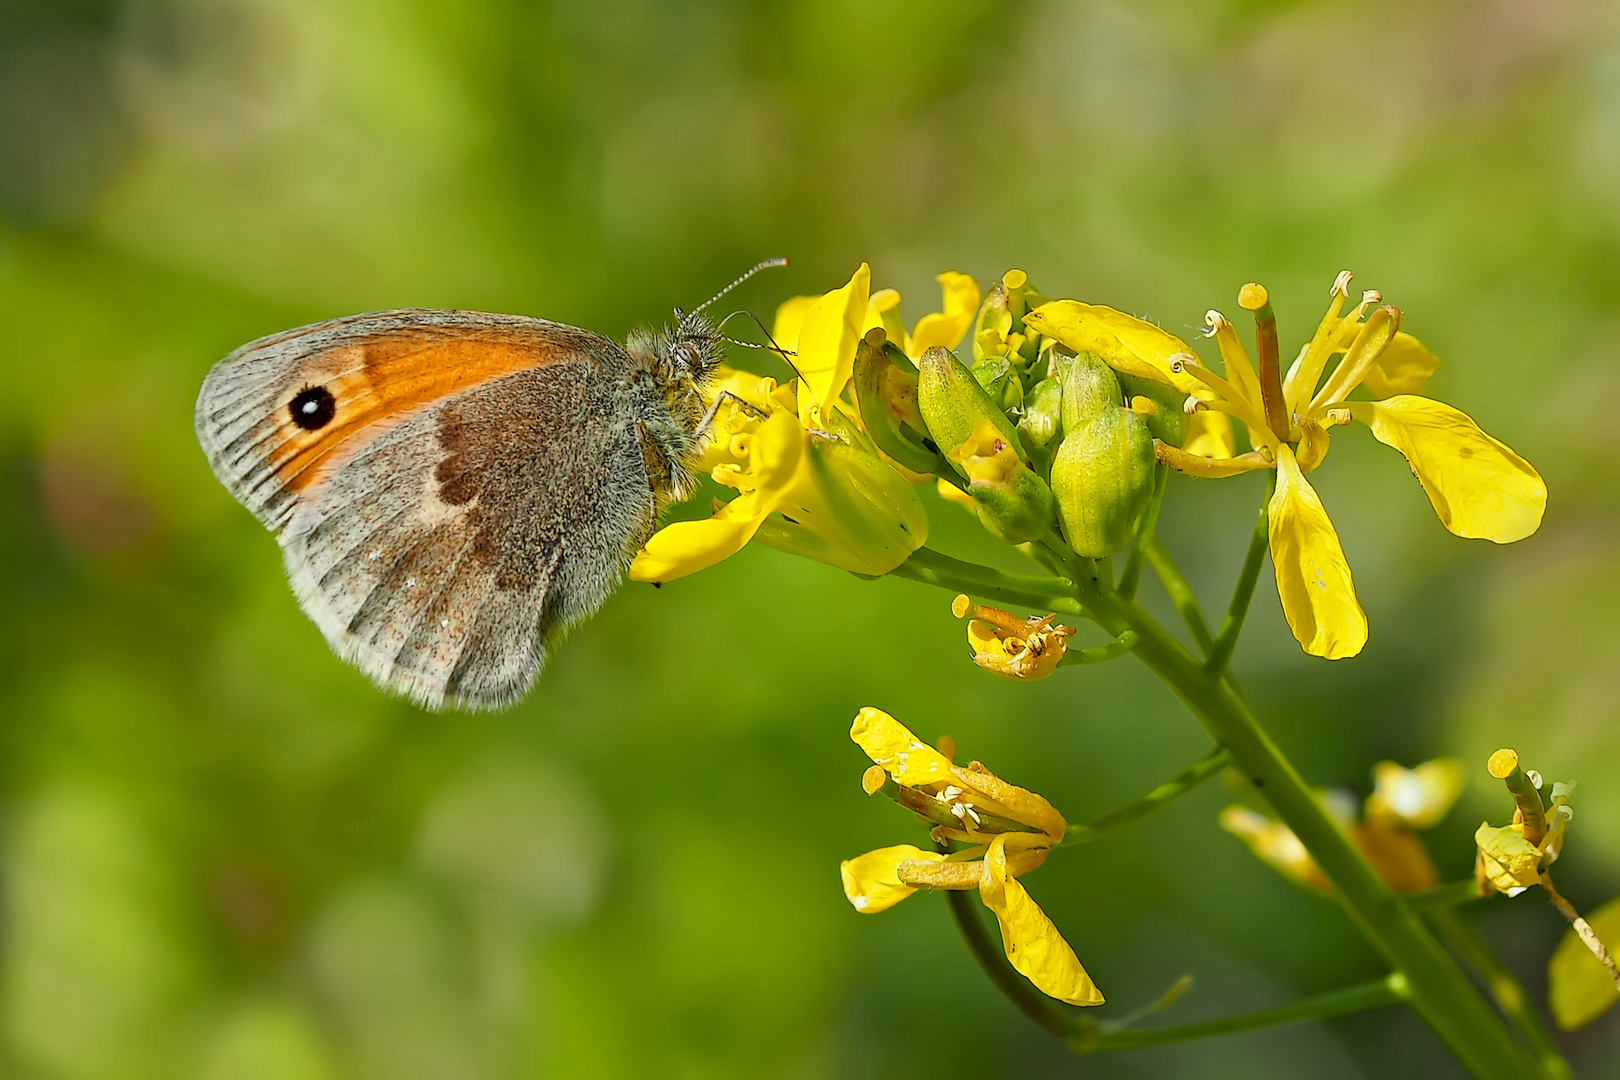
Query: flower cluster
{"points": [[809, 478], [1479, 487], [1001, 832], [1402, 800]]}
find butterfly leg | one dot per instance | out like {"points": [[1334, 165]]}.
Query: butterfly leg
{"points": [[722, 397]]}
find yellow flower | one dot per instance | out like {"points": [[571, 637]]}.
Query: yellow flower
{"points": [[1479, 488], [1402, 800], [1511, 858], [947, 327], [809, 481], [1006, 645], [1275, 845], [1007, 830], [1414, 798]]}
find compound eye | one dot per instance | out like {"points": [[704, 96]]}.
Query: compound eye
{"points": [[686, 354]]}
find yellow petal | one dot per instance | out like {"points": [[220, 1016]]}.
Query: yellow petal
{"points": [[890, 744], [827, 341], [947, 327], [1313, 579], [1399, 856], [1404, 367], [1416, 798], [951, 493], [883, 310], [790, 319], [1010, 800], [1125, 344], [685, 547], [1479, 487], [1275, 845], [870, 880], [1032, 943], [1510, 862], [1209, 435], [1579, 989], [774, 454]]}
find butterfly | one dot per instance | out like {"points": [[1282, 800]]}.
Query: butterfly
{"points": [[454, 490]]}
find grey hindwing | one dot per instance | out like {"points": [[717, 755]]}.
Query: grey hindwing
{"points": [[447, 555]]}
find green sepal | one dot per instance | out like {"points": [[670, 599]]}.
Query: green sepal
{"points": [[886, 395]]}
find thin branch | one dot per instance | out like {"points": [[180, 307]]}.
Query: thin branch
{"points": [[1377, 994], [1181, 594], [1510, 997], [1026, 590], [1583, 929], [1131, 576], [1221, 654], [1160, 797], [1112, 650]]}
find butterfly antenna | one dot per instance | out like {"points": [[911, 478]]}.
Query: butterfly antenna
{"points": [[785, 354], [766, 265]]}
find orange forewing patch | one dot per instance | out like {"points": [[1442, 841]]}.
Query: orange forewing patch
{"points": [[387, 378]]}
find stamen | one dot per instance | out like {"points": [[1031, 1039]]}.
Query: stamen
{"points": [[1306, 371], [1215, 321], [1192, 405], [1253, 297]]}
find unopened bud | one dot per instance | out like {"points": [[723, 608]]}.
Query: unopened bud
{"points": [[1102, 475], [1012, 502], [1000, 381], [1041, 422]]}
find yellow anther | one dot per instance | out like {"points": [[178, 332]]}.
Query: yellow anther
{"points": [[872, 779], [1341, 284], [1215, 321]]}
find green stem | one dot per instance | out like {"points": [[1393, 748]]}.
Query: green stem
{"points": [[1026, 590], [1160, 797], [1248, 577], [1047, 1012], [1131, 576], [1510, 996], [1352, 999], [1436, 987], [1087, 1036], [1114, 649], [1452, 894], [1181, 594]]}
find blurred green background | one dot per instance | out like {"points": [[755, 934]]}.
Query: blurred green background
{"points": [[227, 856]]}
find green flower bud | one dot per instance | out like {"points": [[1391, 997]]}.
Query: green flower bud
{"points": [[1041, 422], [1102, 474], [1000, 381], [982, 446], [1012, 502], [886, 394], [953, 404]]}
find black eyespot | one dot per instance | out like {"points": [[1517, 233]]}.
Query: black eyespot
{"points": [[313, 408]]}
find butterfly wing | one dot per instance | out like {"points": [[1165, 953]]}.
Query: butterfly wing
{"points": [[473, 487]]}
